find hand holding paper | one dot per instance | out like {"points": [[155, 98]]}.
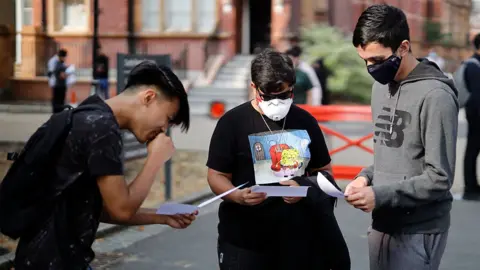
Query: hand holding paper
{"points": [[179, 208]]}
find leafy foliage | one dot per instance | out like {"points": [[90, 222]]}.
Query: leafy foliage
{"points": [[350, 79]]}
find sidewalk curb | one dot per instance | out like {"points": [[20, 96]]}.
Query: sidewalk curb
{"points": [[105, 230], [31, 108]]}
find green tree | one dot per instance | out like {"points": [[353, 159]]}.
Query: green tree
{"points": [[350, 80]]}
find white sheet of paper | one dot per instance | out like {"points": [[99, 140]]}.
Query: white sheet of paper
{"points": [[281, 191], [207, 202], [328, 187], [180, 208], [176, 208]]}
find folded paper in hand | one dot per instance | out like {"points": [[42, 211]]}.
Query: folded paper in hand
{"points": [[328, 187], [281, 191], [179, 208]]}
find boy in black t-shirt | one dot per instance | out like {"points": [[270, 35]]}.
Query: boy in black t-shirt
{"points": [[265, 141], [91, 165]]}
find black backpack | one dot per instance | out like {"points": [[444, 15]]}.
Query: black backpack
{"points": [[27, 195]]}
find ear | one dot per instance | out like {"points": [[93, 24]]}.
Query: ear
{"points": [[148, 96], [404, 48]]}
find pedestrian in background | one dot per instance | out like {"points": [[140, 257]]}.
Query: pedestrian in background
{"points": [[415, 115], [472, 110], [303, 88], [317, 93], [57, 80], [101, 67]]}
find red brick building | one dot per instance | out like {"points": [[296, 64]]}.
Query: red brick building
{"points": [[189, 30]]}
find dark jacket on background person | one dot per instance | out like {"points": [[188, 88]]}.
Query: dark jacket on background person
{"points": [[472, 81], [101, 67], [415, 138], [60, 81]]}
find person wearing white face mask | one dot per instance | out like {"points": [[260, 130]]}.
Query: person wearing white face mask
{"points": [[269, 140]]}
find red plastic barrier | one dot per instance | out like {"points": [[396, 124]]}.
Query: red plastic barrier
{"points": [[340, 113]]}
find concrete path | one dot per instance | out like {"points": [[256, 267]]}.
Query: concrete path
{"points": [[158, 247]]}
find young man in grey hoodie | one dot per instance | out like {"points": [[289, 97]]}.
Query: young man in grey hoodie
{"points": [[415, 115]]}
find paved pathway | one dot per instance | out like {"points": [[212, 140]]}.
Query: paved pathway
{"points": [[157, 247]]}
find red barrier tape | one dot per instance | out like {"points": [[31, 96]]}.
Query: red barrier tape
{"points": [[338, 113]]}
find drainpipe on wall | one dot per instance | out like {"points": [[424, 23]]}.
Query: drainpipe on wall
{"points": [[131, 27], [95, 34]]}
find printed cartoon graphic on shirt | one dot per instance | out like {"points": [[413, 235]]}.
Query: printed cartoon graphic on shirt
{"points": [[280, 155]]}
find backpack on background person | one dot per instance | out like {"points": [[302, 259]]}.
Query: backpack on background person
{"points": [[460, 84]]}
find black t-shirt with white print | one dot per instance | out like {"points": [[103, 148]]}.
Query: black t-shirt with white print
{"points": [[243, 145], [92, 149]]}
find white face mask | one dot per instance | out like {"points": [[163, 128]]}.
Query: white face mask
{"points": [[276, 109]]}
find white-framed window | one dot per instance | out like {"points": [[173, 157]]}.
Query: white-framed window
{"points": [[151, 16], [206, 15], [73, 15], [178, 16], [23, 17], [27, 12]]}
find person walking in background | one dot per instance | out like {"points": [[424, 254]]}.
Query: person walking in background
{"points": [[60, 83], [303, 86], [472, 110], [101, 67], [51, 66], [323, 73], [317, 93], [415, 115], [437, 59]]}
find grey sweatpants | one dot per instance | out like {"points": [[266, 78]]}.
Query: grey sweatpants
{"points": [[405, 251]]}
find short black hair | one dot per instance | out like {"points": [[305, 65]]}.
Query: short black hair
{"points": [[270, 70], [294, 38], [62, 53], [384, 24], [148, 73], [476, 41], [295, 51]]}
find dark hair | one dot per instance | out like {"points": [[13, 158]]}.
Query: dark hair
{"points": [[384, 24], [294, 38], [62, 53], [295, 51], [476, 41], [148, 73], [271, 70]]}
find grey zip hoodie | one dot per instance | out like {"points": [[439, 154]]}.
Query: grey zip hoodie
{"points": [[415, 135]]}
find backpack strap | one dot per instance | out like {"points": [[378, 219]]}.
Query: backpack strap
{"points": [[12, 156]]}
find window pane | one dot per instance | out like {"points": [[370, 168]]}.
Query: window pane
{"points": [[27, 16], [178, 15], [27, 3], [206, 15], [74, 14], [151, 15]]}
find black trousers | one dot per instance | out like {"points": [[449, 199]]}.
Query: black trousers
{"points": [[58, 98], [472, 150], [304, 238]]}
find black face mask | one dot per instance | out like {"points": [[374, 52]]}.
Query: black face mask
{"points": [[385, 72]]}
